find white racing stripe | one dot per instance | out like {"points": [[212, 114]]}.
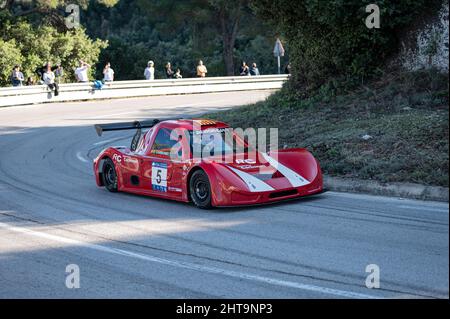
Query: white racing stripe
{"points": [[253, 184], [191, 266], [295, 179], [81, 158]]}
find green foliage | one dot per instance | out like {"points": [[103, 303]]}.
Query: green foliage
{"points": [[181, 32], [10, 55], [330, 41], [32, 46]]}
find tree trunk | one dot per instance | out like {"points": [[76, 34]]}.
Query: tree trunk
{"points": [[229, 23], [228, 48]]}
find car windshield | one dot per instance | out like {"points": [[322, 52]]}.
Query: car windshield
{"points": [[216, 142]]}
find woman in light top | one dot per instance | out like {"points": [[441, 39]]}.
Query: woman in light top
{"points": [[49, 78]]}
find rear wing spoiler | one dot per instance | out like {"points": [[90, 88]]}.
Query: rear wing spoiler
{"points": [[100, 128]]}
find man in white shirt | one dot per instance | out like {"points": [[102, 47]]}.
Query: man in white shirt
{"points": [[49, 78], [81, 72], [149, 72], [108, 73], [201, 69]]}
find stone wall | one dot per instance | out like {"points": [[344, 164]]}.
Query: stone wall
{"points": [[430, 44]]}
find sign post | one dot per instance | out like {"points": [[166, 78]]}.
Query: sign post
{"points": [[278, 51]]}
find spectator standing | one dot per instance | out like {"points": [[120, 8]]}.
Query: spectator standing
{"points": [[169, 71], [201, 69], [81, 72], [244, 69], [254, 69], [177, 74], [149, 72], [108, 73], [49, 79], [59, 73], [17, 76]]}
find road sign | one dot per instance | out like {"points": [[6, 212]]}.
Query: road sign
{"points": [[278, 50]]}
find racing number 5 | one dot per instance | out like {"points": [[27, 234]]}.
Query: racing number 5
{"points": [[158, 176]]}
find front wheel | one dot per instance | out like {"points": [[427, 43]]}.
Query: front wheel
{"points": [[200, 190], [109, 175]]}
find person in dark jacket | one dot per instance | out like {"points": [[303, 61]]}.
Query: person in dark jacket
{"points": [[169, 71], [17, 76], [244, 70], [254, 69]]}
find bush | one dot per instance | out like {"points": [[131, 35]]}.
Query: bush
{"points": [[330, 43], [32, 46], [10, 55]]}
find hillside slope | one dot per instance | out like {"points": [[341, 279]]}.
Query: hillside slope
{"points": [[395, 129]]}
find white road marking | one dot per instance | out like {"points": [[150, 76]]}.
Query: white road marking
{"points": [[81, 158], [191, 266]]}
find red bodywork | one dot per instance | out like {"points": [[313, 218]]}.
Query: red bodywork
{"points": [[230, 183]]}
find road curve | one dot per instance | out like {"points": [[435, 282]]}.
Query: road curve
{"points": [[126, 246]]}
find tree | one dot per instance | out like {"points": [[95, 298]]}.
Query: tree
{"points": [[50, 10], [216, 16], [31, 46], [181, 32], [230, 13]]}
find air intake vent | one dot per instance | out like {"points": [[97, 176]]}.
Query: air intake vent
{"points": [[134, 180], [283, 193]]}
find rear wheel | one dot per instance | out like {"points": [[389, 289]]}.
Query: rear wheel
{"points": [[109, 175], [200, 189]]}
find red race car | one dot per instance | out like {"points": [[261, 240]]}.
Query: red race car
{"points": [[206, 162]]}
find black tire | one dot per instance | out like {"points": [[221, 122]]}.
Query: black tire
{"points": [[109, 175], [200, 189]]}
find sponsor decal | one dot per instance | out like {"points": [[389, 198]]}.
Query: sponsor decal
{"points": [[131, 160], [117, 158], [174, 189], [160, 152], [159, 176], [245, 161], [247, 166], [211, 130]]}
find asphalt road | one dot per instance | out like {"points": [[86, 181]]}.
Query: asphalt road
{"points": [[52, 214]]}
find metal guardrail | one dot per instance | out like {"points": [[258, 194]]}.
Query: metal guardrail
{"points": [[10, 96]]}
